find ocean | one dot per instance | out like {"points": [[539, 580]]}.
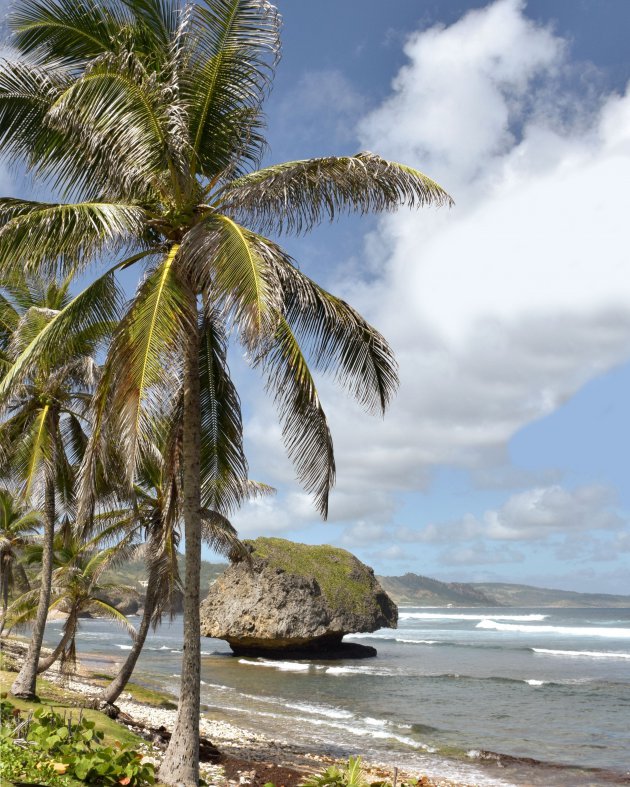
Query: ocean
{"points": [[492, 696]]}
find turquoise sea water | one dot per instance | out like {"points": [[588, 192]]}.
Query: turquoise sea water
{"points": [[494, 696]]}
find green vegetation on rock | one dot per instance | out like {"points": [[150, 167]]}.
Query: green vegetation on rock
{"points": [[341, 577]]}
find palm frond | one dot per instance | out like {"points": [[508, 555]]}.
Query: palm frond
{"points": [[219, 534], [339, 339], [231, 265], [97, 304], [117, 111], [223, 463], [109, 611], [234, 46], [297, 195], [68, 31], [304, 425], [144, 356], [33, 451], [40, 235], [26, 93]]}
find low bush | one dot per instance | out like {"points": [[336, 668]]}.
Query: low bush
{"points": [[49, 748]]}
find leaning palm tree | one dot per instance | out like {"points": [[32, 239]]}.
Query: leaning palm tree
{"points": [[42, 419], [18, 525], [77, 587], [154, 517], [146, 115]]}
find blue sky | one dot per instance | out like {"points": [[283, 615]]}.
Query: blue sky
{"points": [[506, 453]]}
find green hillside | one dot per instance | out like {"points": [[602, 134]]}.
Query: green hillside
{"points": [[134, 574], [423, 591]]}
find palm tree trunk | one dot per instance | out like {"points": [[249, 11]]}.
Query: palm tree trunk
{"points": [[181, 761], [70, 631], [22, 578], [4, 584], [110, 694], [24, 685]]}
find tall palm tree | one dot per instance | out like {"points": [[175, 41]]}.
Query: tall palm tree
{"points": [[147, 116], [18, 525], [77, 587], [42, 418]]}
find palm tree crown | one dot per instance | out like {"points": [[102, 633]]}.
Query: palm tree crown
{"points": [[146, 115]]}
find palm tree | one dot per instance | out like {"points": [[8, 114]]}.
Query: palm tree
{"points": [[17, 526], [155, 516], [42, 419], [147, 116], [76, 588]]}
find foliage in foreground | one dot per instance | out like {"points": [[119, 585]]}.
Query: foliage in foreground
{"points": [[350, 775], [49, 748]]}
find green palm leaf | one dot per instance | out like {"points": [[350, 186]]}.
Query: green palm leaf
{"points": [[234, 46], [42, 235], [340, 340], [71, 31], [223, 463], [32, 452], [95, 306], [145, 355], [304, 425], [109, 611], [231, 265], [297, 195]]}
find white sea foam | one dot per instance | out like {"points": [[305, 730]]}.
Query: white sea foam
{"points": [[283, 666], [574, 631], [389, 638], [534, 682], [466, 616], [588, 654], [356, 671], [124, 647], [319, 710]]}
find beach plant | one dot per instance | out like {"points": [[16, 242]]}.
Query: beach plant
{"points": [[42, 415], [146, 116], [54, 749], [350, 775]]}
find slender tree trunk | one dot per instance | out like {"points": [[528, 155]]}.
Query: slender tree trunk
{"points": [[24, 685], [4, 584], [22, 578], [111, 693], [71, 630], [181, 761]]}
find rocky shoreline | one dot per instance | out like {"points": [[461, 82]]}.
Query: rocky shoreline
{"points": [[243, 757]]}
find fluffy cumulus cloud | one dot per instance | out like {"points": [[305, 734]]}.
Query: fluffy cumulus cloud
{"points": [[533, 515], [503, 307]]}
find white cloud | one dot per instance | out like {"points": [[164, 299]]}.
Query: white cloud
{"points": [[502, 308], [534, 515]]}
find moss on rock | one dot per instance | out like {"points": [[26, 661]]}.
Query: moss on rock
{"points": [[343, 579]]}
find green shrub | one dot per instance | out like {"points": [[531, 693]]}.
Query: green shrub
{"points": [[24, 763], [48, 744], [350, 775]]}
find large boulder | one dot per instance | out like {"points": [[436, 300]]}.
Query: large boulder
{"points": [[296, 600]]}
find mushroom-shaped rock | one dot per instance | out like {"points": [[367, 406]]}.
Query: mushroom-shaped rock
{"points": [[296, 600]]}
